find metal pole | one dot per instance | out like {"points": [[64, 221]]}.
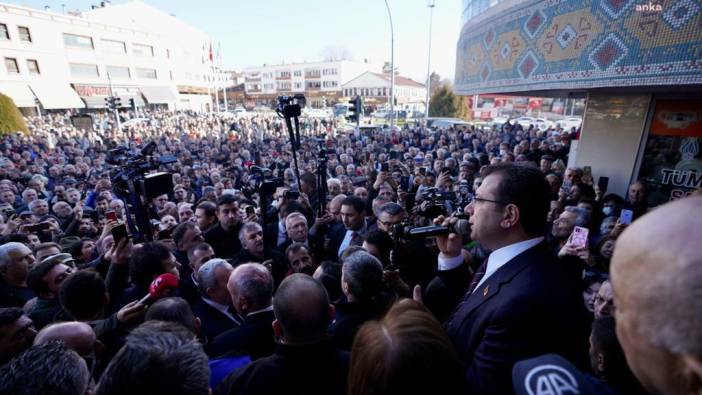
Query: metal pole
{"points": [[431, 17], [216, 88], [392, 69], [226, 105]]}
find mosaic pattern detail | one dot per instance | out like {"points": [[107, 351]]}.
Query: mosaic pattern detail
{"points": [[566, 36], [681, 13], [534, 23], [608, 53], [528, 64], [565, 44], [615, 8]]}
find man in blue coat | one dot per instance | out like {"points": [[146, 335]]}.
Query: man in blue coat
{"points": [[521, 303]]}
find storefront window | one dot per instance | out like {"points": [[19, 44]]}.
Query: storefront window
{"points": [[672, 164]]}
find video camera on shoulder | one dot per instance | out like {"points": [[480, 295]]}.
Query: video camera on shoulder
{"points": [[290, 106], [264, 182], [436, 201]]}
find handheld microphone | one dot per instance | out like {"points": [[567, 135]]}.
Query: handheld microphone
{"points": [[461, 227], [163, 286]]}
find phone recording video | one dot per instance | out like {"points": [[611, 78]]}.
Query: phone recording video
{"points": [[119, 233], [111, 215]]}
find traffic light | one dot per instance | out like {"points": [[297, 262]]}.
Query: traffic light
{"points": [[355, 109], [132, 104], [110, 103], [118, 102]]}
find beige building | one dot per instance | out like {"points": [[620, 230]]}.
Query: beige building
{"points": [[55, 61], [374, 88]]}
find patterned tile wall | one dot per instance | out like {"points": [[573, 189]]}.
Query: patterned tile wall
{"points": [[578, 44]]}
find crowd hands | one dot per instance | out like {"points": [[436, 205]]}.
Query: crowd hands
{"points": [[311, 292]]}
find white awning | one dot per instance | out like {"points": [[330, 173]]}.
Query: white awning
{"points": [[19, 93], [56, 95], [159, 94], [94, 101], [125, 100]]}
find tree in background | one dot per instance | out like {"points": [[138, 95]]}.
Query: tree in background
{"points": [[444, 103], [336, 53], [11, 119], [435, 83]]}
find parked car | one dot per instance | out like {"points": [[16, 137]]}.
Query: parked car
{"points": [[135, 121], [525, 121], [380, 114], [239, 111], [500, 120], [543, 124], [570, 122]]}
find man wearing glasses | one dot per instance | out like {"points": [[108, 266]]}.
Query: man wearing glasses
{"points": [[520, 302]]}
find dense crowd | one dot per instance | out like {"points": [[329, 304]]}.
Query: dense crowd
{"points": [[414, 260]]}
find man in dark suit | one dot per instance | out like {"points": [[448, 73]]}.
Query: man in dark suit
{"points": [[224, 236], [520, 302], [353, 216], [275, 233], [251, 290], [298, 232], [304, 362], [253, 250], [214, 307]]}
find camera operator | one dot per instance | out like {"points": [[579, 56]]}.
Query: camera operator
{"points": [[410, 257]]}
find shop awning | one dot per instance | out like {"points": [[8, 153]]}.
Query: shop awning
{"points": [[19, 93], [159, 94], [125, 100], [54, 95], [94, 101]]}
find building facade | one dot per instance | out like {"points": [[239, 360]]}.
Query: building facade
{"points": [[638, 64], [374, 88], [320, 82], [58, 61]]}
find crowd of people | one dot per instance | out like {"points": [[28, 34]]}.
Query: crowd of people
{"points": [[409, 261]]}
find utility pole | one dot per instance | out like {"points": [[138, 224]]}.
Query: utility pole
{"points": [[392, 69], [430, 4]]}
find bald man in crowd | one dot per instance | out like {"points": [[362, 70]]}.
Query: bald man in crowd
{"points": [[657, 294], [78, 336]]}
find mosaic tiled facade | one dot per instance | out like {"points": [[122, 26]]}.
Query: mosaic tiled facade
{"points": [[579, 44]]}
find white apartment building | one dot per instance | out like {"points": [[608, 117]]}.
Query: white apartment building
{"points": [[374, 88], [321, 82], [59, 61]]}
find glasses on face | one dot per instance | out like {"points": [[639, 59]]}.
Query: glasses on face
{"points": [[388, 224], [476, 199]]}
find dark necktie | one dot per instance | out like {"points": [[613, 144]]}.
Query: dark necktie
{"points": [[236, 317], [477, 277], [449, 324]]}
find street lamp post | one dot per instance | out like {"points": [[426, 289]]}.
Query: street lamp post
{"points": [[430, 4], [392, 69]]}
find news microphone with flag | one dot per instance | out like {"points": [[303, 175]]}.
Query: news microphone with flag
{"points": [[163, 286], [461, 227]]}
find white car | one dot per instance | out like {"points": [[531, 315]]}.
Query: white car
{"points": [[380, 114], [525, 121], [239, 110], [135, 121], [315, 113], [543, 124], [570, 122], [500, 120]]}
